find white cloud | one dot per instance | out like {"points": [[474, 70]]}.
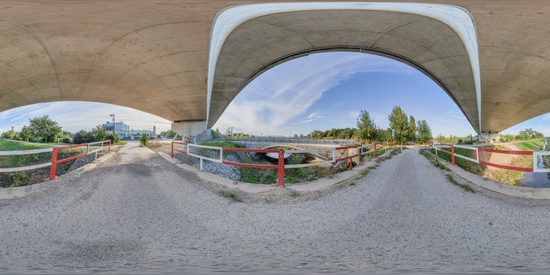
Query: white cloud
{"points": [[306, 121], [315, 115], [288, 90], [354, 114]]}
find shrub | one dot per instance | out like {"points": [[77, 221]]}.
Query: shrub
{"points": [[270, 177], [144, 139], [114, 138], [66, 140], [20, 179], [296, 159], [251, 179]]}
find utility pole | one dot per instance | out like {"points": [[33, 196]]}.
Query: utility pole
{"points": [[113, 116]]}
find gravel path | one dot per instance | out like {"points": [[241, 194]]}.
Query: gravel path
{"points": [[136, 212]]}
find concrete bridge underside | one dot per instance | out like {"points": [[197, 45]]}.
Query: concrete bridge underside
{"points": [[155, 56]]}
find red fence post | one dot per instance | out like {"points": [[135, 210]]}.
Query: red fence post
{"points": [[350, 163], [172, 149], [109, 146], [54, 163], [281, 168], [453, 153], [375, 150]]}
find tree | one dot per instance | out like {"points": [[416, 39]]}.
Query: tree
{"points": [[424, 132], [26, 133], [441, 138], [100, 133], [45, 128], [80, 137], [9, 134], [399, 121], [412, 129], [366, 126]]}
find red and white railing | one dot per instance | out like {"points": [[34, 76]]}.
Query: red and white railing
{"points": [[280, 164], [54, 161], [434, 145]]}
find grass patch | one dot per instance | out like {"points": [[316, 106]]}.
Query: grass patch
{"points": [[467, 165], [463, 186], [7, 145], [230, 195], [352, 183], [533, 145], [267, 200]]}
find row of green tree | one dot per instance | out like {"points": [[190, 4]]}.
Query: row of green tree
{"points": [[527, 134], [406, 129], [43, 129]]}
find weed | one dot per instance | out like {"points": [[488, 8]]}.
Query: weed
{"points": [[463, 186], [230, 195], [352, 183], [362, 173], [267, 200], [154, 143], [291, 180], [294, 194]]}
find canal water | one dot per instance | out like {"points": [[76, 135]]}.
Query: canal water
{"points": [[536, 180]]}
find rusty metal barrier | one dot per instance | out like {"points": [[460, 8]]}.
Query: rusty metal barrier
{"points": [[433, 145], [54, 161], [25, 152], [280, 164], [280, 161], [55, 150]]}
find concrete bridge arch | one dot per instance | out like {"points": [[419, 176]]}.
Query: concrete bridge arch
{"points": [[439, 41]]}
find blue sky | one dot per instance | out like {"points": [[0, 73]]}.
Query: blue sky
{"points": [[316, 92]]}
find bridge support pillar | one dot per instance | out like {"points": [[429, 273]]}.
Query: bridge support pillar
{"points": [[488, 137], [189, 128]]}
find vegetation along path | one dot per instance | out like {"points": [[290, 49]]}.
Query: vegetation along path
{"points": [[137, 212]]}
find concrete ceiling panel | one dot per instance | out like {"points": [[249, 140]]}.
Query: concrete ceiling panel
{"points": [[111, 51]]}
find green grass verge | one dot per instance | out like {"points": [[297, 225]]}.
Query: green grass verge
{"points": [[463, 186], [7, 145], [533, 145]]}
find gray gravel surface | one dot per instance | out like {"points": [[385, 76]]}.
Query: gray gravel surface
{"points": [[136, 212]]}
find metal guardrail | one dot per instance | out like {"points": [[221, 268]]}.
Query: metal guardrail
{"points": [[54, 161], [280, 163], [433, 145]]}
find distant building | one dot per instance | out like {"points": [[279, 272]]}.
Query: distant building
{"points": [[120, 127], [125, 132]]}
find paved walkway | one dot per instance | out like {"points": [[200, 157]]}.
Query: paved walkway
{"points": [[136, 212]]}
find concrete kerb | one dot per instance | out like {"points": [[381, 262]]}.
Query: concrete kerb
{"points": [[491, 188], [312, 186], [14, 193]]}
